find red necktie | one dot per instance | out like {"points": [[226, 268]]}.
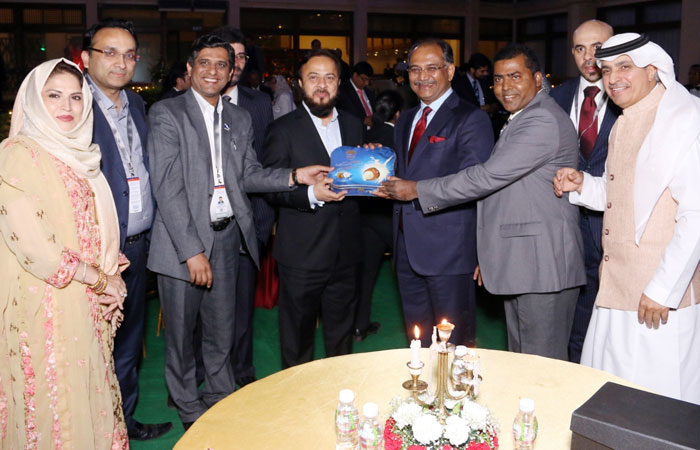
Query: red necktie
{"points": [[368, 112], [588, 122], [418, 131]]}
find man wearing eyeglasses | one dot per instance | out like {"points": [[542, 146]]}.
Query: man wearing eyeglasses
{"points": [[259, 106], [110, 54], [435, 254]]}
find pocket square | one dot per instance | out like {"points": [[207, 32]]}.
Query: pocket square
{"points": [[436, 139]]}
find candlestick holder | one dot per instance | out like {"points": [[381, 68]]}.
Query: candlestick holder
{"points": [[446, 389], [414, 384]]}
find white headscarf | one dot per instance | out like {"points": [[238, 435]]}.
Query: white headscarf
{"points": [[675, 129], [30, 118], [281, 85]]}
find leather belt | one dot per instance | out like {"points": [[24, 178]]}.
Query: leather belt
{"points": [[133, 239], [221, 224]]}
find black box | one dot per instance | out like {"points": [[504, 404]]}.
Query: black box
{"points": [[619, 417]]}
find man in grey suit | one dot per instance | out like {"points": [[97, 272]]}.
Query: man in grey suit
{"points": [[528, 241], [202, 165]]}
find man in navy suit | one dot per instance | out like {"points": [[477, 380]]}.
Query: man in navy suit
{"points": [[593, 115], [354, 95], [259, 106], [110, 53], [436, 254]]}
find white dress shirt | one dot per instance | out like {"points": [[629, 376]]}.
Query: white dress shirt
{"points": [[330, 136], [575, 112]]}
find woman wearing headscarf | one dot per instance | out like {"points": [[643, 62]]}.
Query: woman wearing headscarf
{"points": [[283, 100], [60, 285]]}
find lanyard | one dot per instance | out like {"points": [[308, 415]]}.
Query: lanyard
{"points": [[216, 157], [124, 151]]}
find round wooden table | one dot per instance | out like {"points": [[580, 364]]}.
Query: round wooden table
{"points": [[294, 408]]}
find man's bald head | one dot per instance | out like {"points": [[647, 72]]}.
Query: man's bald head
{"points": [[588, 37]]}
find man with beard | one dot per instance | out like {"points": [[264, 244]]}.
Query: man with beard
{"points": [[259, 106], [593, 115], [203, 164], [318, 243]]}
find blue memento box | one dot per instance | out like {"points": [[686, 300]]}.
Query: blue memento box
{"points": [[359, 171]]}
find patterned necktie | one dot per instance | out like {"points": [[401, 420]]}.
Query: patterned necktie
{"points": [[588, 122], [418, 132], [368, 111]]}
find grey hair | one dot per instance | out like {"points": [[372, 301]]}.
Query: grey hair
{"points": [[447, 54]]}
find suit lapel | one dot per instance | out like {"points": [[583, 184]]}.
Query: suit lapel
{"points": [[403, 133], [437, 123], [202, 151], [306, 125]]}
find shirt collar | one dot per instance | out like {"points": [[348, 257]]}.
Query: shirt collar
{"points": [[354, 88], [512, 116], [106, 102], [436, 104], [317, 120], [205, 106], [584, 83]]}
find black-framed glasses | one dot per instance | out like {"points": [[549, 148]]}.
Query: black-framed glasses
{"points": [[112, 54]]}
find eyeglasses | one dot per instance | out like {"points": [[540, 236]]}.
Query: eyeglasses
{"points": [[242, 57], [112, 54], [430, 70]]}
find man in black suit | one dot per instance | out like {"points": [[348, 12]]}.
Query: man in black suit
{"points": [[110, 56], [259, 106], [317, 247], [354, 96], [176, 82], [376, 214], [593, 115]]}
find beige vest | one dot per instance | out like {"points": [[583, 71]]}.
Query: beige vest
{"points": [[626, 268]]}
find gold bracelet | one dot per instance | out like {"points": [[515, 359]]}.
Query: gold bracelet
{"points": [[101, 284]]}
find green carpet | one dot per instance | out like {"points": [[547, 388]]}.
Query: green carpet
{"points": [[386, 309]]}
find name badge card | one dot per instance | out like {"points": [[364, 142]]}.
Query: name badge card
{"points": [[220, 206], [135, 205]]}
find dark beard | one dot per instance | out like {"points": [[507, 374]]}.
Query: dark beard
{"points": [[320, 110]]}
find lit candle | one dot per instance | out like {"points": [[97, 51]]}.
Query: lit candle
{"points": [[415, 347]]}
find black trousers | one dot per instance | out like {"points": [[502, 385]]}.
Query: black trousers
{"points": [[129, 338], [242, 353], [305, 293]]}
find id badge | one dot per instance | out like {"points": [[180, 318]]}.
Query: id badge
{"points": [[220, 206], [135, 205]]}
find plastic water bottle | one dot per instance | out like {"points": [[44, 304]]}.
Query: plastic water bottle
{"points": [[459, 366], [346, 421], [371, 433], [525, 425]]}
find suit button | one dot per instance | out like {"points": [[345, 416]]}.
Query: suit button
{"points": [[612, 177], [125, 193], [607, 232], [609, 205], [606, 257]]}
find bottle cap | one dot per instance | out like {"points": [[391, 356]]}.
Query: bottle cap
{"points": [[346, 396], [527, 405], [370, 410], [460, 351]]}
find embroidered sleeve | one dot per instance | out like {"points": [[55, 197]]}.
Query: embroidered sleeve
{"points": [[66, 270]]}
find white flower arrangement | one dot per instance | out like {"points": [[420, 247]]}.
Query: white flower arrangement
{"points": [[468, 426]]}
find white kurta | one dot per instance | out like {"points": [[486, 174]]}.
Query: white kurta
{"points": [[666, 360]]}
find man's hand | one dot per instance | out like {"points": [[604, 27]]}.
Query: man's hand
{"points": [[323, 192], [311, 175], [651, 312], [368, 121], [397, 189], [200, 270], [567, 180], [477, 276]]}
